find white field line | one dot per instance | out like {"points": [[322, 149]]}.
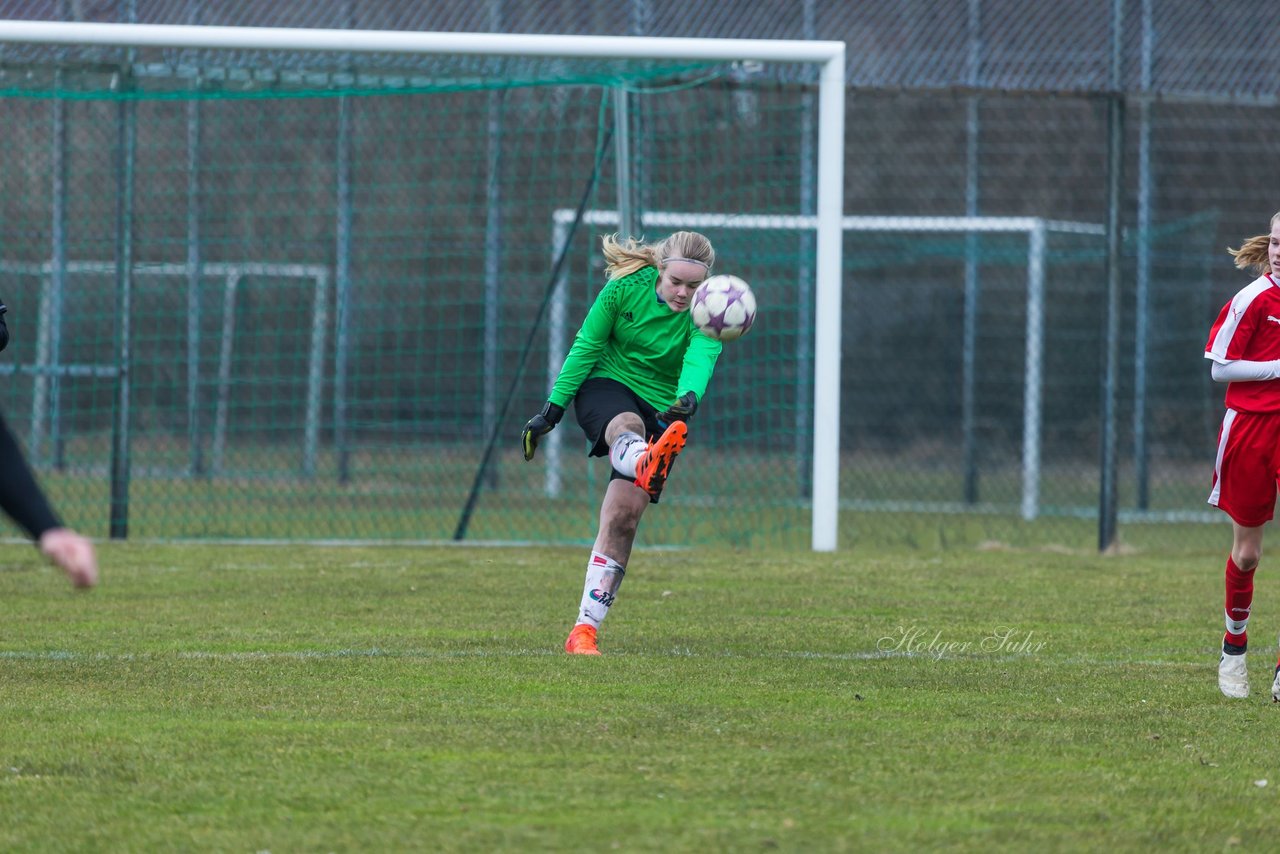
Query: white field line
{"points": [[325, 544], [448, 655]]}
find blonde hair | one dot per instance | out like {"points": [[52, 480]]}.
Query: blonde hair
{"points": [[1252, 254], [622, 258]]}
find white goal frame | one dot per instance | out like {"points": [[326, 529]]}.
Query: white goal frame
{"points": [[1036, 230], [828, 56], [232, 274], [47, 365]]}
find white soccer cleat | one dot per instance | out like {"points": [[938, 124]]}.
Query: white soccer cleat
{"points": [[1233, 676], [1275, 687]]}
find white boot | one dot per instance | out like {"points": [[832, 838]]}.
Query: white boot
{"points": [[1233, 677]]}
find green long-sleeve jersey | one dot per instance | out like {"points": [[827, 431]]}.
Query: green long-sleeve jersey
{"points": [[630, 335]]}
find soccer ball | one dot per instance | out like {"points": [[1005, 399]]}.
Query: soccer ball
{"points": [[723, 307]]}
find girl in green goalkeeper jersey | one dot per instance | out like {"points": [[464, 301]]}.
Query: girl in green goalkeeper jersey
{"points": [[638, 367]]}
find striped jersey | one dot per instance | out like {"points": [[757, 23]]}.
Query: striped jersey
{"points": [[1248, 327], [630, 335]]}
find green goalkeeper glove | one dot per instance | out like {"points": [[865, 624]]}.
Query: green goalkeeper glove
{"points": [[538, 426], [681, 410]]}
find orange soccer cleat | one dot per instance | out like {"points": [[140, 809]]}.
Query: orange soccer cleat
{"points": [[655, 465], [582, 640]]}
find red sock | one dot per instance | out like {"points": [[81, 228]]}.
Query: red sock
{"points": [[1239, 601]]}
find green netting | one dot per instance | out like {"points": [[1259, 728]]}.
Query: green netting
{"points": [[326, 273], [40, 70], [330, 276], [910, 416]]}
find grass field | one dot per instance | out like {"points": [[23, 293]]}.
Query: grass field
{"points": [[301, 698]]}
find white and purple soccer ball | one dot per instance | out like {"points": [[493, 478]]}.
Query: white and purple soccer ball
{"points": [[723, 307]]}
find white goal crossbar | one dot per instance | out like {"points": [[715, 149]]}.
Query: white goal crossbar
{"points": [[828, 350], [827, 56]]}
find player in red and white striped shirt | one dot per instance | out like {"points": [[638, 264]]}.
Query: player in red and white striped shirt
{"points": [[1244, 346]]}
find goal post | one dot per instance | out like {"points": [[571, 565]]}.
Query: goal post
{"points": [[246, 86]]}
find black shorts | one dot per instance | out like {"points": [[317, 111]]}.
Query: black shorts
{"points": [[599, 401]]}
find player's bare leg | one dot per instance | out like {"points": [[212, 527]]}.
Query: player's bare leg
{"points": [[73, 553], [624, 503], [1246, 551], [620, 513]]}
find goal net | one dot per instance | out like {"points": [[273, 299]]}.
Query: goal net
{"points": [[758, 238], [295, 284]]}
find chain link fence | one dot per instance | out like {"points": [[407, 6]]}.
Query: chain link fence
{"points": [[335, 263]]}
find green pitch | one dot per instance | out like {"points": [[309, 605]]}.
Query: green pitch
{"points": [[305, 698]]}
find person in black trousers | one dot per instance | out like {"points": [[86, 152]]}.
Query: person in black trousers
{"points": [[25, 503]]}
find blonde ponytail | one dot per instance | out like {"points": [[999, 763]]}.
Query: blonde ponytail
{"points": [[1252, 254], [622, 258]]}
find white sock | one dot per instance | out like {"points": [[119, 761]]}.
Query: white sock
{"points": [[625, 452], [604, 577]]}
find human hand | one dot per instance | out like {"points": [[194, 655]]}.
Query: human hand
{"points": [[681, 410], [538, 426], [73, 553]]}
